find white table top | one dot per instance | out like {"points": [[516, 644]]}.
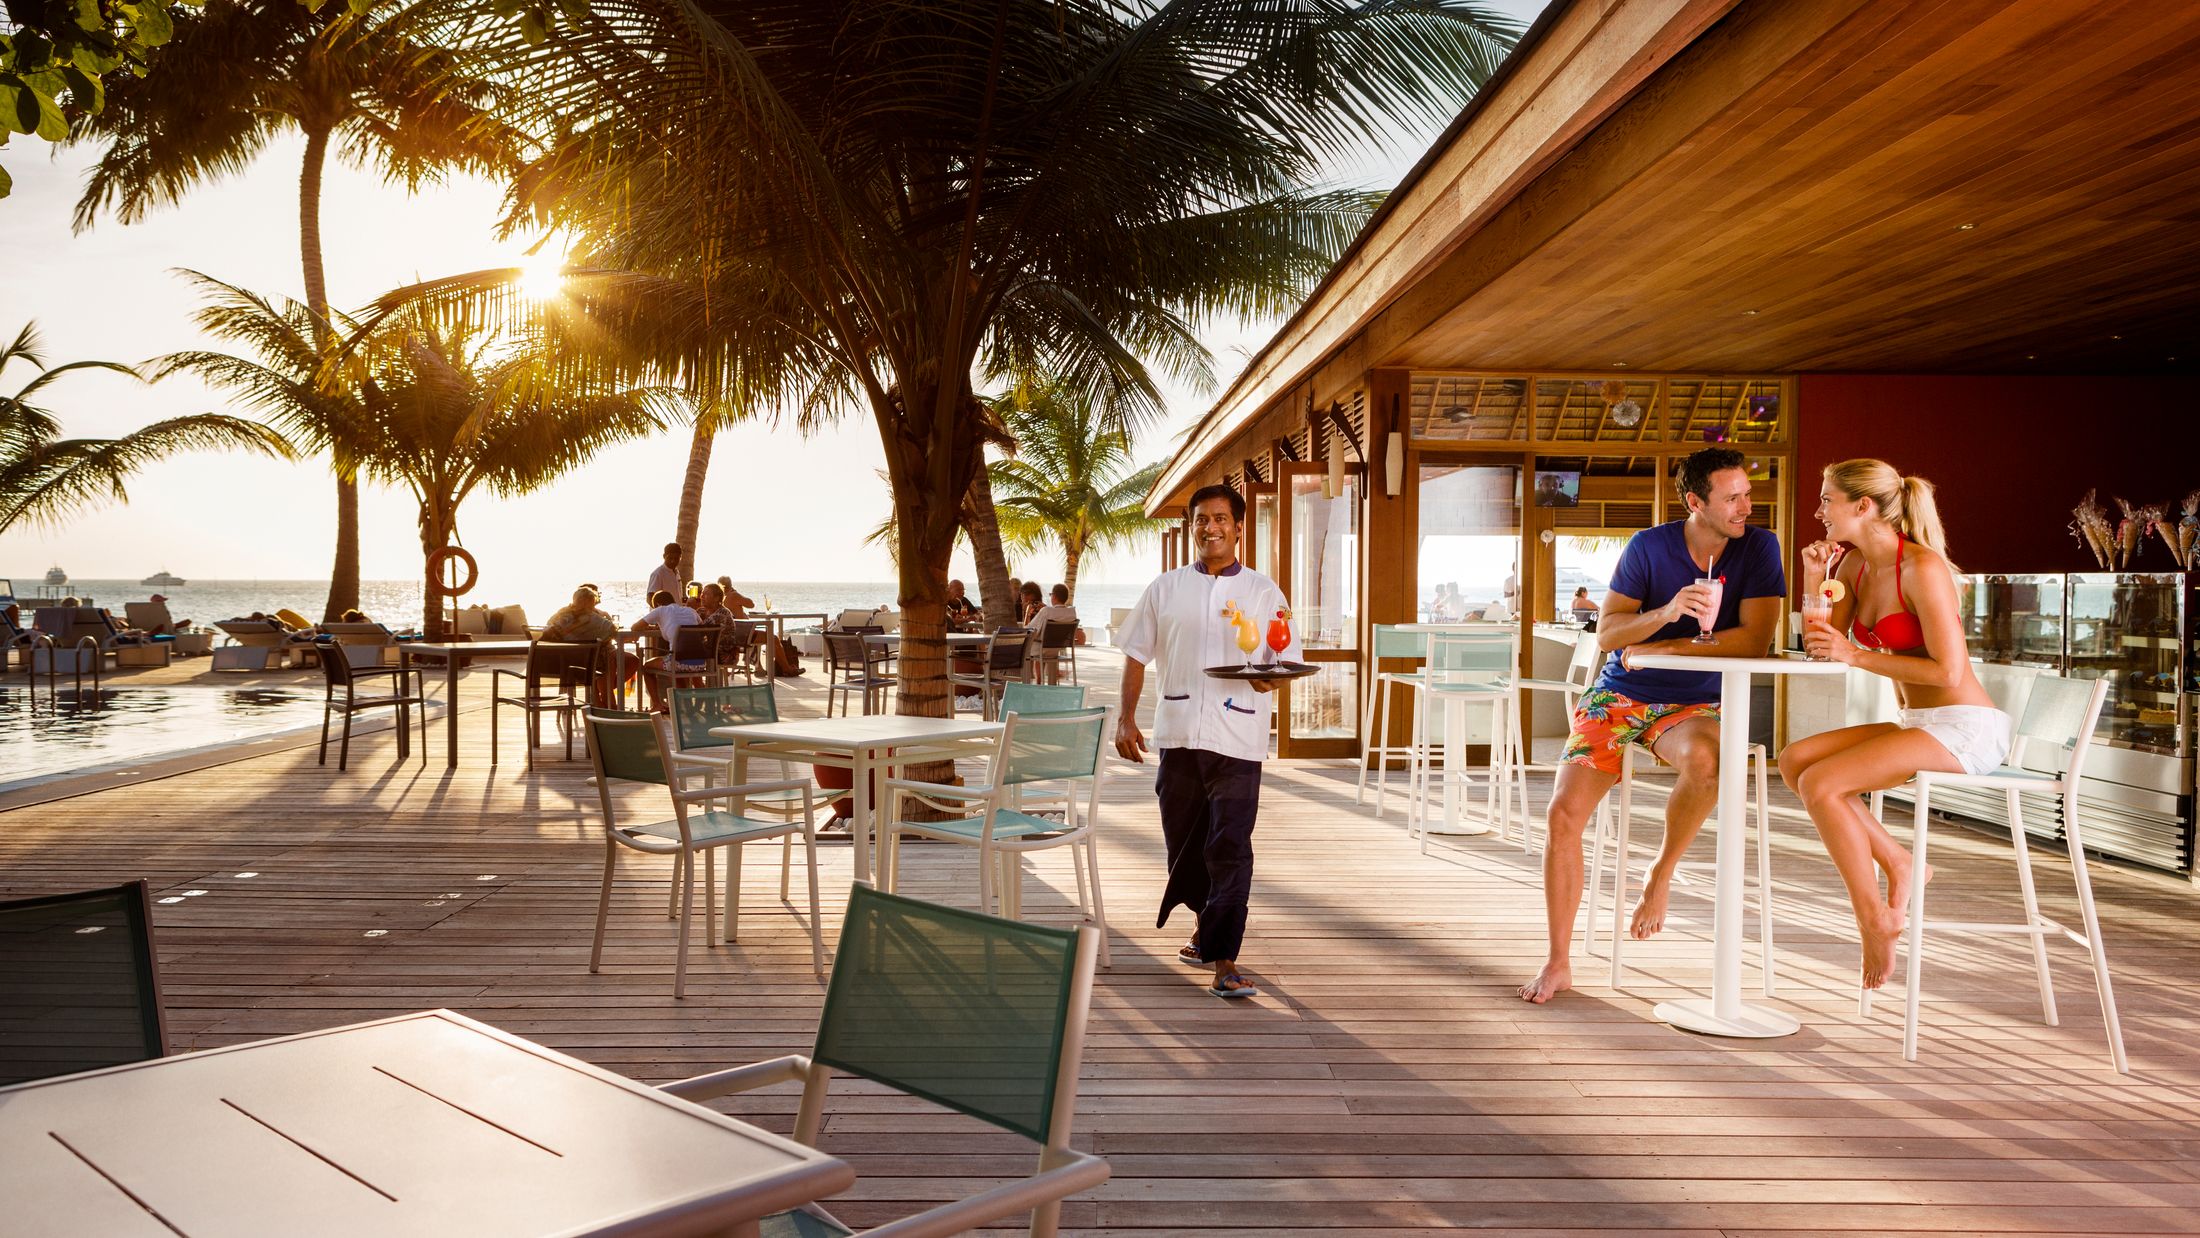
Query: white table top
{"points": [[862, 731], [1755, 666], [427, 1124]]}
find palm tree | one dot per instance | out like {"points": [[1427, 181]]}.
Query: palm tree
{"points": [[43, 476], [450, 410], [862, 204], [236, 74], [1071, 481]]}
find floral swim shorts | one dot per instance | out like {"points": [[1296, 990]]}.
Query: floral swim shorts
{"points": [[1604, 720]]}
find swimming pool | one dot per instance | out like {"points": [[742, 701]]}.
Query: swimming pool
{"points": [[121, 727]]}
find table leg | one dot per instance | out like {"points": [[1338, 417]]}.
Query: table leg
{"points": [[859, 824], [1724, 1013], [450, 710], [1455, 760]]}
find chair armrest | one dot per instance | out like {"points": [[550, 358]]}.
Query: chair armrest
{"points": [[922, 789], [740, 1079], [1082, 1173], [746, 788]]}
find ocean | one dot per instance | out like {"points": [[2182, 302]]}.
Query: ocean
{"points": [[397, 602]]}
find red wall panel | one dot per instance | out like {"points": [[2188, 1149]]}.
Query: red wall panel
{"points": [[2010, 455]]}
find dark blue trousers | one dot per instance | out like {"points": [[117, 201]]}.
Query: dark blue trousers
{"points": [[1208, 803]]}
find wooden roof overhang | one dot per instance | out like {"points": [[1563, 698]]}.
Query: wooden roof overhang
{"points": [[1800, 186]]}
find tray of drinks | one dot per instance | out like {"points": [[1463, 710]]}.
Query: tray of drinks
{"points": [[1269, 670]]}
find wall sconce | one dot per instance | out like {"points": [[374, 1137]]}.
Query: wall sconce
{"points": [[1394, 455]]}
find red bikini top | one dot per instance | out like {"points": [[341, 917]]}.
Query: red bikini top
{"points": [[1897, 631]]}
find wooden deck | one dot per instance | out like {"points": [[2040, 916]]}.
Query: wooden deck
{"points": [[1389, 1081]]}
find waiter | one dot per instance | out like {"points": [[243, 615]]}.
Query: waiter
{"points": [[1212, 733]]}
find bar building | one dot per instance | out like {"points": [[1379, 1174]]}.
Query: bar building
{"points": [[1955, 236]]}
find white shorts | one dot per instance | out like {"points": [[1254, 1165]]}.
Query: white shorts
{"points": [[1977, 736]]}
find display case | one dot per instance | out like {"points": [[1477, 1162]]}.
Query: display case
{"points": [[2137, 631], [2131, 630], [2014, 620]]}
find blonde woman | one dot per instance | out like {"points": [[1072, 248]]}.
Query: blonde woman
{"points": [[1897, 617]]}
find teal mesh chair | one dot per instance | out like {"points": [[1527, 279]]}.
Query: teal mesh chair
{"points": [[695, 711], [1041, 698], [2055, 730], [983, 1016], [1470, 669], [1388, 643], [1059, 751], [633, 747]]}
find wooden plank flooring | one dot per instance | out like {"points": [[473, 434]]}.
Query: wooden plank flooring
{"points": [[1388, 1083]]}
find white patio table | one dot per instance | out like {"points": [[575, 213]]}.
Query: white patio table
{"points": [[1724, 1013], [862, 745], [427, 1125]]}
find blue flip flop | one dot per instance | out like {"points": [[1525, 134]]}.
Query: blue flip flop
{"points": [[1189, 953], [1244, 987]]}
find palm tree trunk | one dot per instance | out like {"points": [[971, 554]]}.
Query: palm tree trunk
{"points": [[984, 527], [436, 523], [1071, 553], [691, 490], [343, 576]]}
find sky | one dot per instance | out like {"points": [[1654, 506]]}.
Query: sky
{"points": [[778, 506]]}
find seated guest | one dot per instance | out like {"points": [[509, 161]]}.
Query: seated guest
{"points": [[356, 615], [1058, 610], [1029, 601], [667, 617], [170, 625], [961, 611], [582, 621]]}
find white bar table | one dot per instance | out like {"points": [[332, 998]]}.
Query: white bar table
{"points": [[1724, 1013], [862, 745], [429, 1125]]}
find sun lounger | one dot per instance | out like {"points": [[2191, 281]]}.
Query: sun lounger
{"points": [[259, 644], [364, 644], [151, 617]]}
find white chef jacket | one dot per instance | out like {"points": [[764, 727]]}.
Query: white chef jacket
{"points": [[1178, 625]]}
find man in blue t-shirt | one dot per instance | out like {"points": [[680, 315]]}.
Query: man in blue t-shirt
{"points": [[1657, 606]]}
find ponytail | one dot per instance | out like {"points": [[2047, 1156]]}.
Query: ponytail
{"points": [[1920, 516]]}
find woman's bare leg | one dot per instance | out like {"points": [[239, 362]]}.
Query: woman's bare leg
{"points": [[1829, 787], [1798, 757]]}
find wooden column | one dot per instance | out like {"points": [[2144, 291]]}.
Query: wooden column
{"points": [[1390, 544]]}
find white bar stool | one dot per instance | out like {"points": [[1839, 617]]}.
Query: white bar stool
{"points": [[1466, 671], [2060, 714], [1388, 642], [1760, 788]]}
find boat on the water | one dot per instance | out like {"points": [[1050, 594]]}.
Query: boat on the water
{"points": [[164, 577], [55, 576]]}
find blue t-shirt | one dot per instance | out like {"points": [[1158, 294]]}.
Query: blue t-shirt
{"points": [[1653, 568]]}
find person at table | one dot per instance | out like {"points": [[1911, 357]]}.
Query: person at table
{"points": [[1884, 543], [667, 616], [665, 577], [1583, 606], [1030, 600], [580, 620], [1212, 734], [1057, 610], [961, 611], [1655, 606]]}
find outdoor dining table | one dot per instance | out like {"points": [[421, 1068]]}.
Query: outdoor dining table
{"points": [[425, 1124], [453, 655], [777, 620], [862, 745], [1724, 1013]]}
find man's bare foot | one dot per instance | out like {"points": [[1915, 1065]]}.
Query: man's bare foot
{"points": [[1554, 979], [1650, 912], [1898, 890], [1881, 932]]}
